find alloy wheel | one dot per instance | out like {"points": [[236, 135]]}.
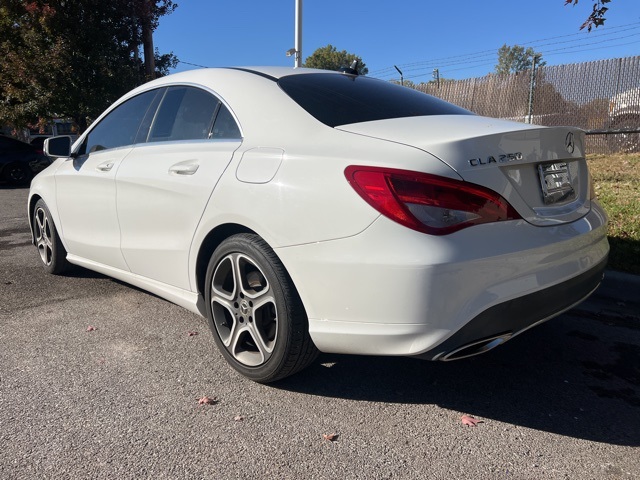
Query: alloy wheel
{"points": [[244, 309], [43, 236]]}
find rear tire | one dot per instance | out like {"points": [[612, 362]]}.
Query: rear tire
{"points": [[52, 252], [254, 311]]}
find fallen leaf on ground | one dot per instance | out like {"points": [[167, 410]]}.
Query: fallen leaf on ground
{"points": [[470, 421], [207, 401], [238, 418], [91, 328], [330, 437], [191, 334]]}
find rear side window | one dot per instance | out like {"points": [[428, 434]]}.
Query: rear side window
{"points": [[225, 127], [337, 99], [185, 113]]}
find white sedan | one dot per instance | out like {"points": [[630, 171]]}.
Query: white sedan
{"points": [[302, 210]]}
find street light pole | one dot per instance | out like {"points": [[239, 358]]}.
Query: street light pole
{"points": [[401, 77], [298, 34]]}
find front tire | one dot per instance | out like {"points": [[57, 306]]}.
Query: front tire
{"points": [[254, 311], [52, 252]]}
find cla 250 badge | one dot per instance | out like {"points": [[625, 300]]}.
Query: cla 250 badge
{"points": [[507, 157]]}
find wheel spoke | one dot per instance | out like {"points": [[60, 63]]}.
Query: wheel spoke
{"points": [[263, 346], [224, 283], [265, 321], [40, 226], [47, 235], [246, 349]]}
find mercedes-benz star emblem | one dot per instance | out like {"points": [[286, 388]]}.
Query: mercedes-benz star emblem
{"points": [[569, 143]]}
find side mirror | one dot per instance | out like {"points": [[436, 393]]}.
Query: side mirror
{"points": [[58, 146]]}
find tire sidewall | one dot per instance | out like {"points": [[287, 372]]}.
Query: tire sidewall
{"points": [[250, 246]]}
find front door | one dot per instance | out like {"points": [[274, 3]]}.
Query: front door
{"points": [[86, 187], [86, 200]]}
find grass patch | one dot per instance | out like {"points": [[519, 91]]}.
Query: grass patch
{"points": [[617, 184]]}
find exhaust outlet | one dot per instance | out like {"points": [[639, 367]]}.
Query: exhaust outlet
{"points": [[474, 348]]}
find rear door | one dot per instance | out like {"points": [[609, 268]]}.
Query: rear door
{"points": [[165, 184]]}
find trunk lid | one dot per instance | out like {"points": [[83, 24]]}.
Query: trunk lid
{"points": [[540, 171]]}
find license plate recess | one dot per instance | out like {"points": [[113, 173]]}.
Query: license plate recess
{"points": [[555, 180]]}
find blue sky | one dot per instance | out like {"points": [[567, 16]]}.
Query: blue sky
{"points": [[460, 38]]}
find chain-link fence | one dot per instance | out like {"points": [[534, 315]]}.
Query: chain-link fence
{"points": [[601, 97]]}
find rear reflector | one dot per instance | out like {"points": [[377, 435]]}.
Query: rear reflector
{"points": [[428, 203]]}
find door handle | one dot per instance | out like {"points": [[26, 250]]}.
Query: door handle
{"points": [[184, 168], [105, 167]]}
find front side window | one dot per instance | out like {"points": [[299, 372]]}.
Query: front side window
{"points": [[120, 127]]}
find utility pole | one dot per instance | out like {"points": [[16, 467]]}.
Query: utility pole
{"points": [[436, 76]]}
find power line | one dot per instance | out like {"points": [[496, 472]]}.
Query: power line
{"points": [[477, 65], [534, 42], [192, 64], [596, 48], [463, 58]]}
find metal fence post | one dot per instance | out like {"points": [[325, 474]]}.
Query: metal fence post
{"points": [[529, 118], [473, 94]]}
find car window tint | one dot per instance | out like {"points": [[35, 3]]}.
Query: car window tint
{"points": [[342, 99], [225, 126], [120, 127], [185, 113], [143, 131]]}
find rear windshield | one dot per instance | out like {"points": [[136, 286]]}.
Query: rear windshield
{"points": [[342, 99]]}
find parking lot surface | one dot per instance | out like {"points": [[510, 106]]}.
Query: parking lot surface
{"points": [[101, 380]]}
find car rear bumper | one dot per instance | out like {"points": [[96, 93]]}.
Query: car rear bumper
{"points": [[393, 291], [504, 321]]}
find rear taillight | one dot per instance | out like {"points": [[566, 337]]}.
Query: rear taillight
{"points": [[428, 203]]}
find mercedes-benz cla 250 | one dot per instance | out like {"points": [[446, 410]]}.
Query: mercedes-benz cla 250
{"points": [[302, 210]]}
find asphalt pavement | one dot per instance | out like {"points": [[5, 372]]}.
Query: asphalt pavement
{"points": [[101, 380]]}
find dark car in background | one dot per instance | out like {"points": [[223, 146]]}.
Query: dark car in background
{"points": [[20, 161], [38, 142]]}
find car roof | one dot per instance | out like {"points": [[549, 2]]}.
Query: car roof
{"points": [[222, 77], [261, 108], [273, 72]]}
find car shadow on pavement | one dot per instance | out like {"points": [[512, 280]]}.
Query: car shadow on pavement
{"points": [[572, 376]]}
